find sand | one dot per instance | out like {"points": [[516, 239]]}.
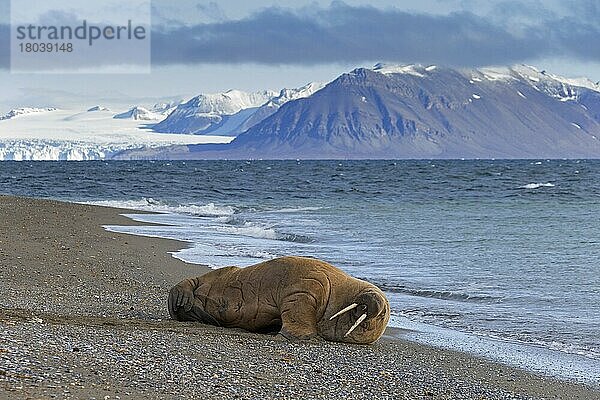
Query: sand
{"points": [[83, 315]]}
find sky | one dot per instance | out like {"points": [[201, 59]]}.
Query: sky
{"points": [[213, 46]]}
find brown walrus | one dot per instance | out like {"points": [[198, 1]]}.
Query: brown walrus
{"points": [[300, 298]]}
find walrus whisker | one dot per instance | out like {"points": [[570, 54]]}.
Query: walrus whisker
{"points": [[357, 323], [350, 307]]}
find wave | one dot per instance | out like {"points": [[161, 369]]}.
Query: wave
{"points": [[292, 237], [527, 339], [225, 215], [537, 185], [260, 254], [152, 205], [571, 348], [248, 253], [262, 232], [425, 314], [233, 220], [250, 230], [437, 294], [299, 209]]}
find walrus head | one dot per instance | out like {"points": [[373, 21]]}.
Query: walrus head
{"points": [[362, 320]]}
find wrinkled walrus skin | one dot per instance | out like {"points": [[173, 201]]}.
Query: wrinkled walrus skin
{"points": [[301, 298]]}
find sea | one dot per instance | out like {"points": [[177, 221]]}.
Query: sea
{"points": [[498, 258]]}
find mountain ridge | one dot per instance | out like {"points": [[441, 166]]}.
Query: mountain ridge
{"points": [[415, 111], [229, 113], [205, 113]]}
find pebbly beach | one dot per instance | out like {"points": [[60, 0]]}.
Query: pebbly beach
{"points": [[83, 315]]}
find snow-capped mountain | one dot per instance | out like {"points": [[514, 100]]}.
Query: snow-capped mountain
{"points": [[229, 113], [292, 94], [165, 108], [206, 113], [271, 106], [97, 108], [139, 113], [17, 112], [415, 111], [157, 112], [388, 111]]}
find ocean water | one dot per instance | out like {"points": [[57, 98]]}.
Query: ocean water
{"points": [[499, 258]]}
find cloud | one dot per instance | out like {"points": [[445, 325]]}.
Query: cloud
{"points": [[588, 10], [339, 33], [347, 34], [212, 10]]}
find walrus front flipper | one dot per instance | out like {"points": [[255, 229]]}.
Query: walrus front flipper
{"points": [[197, 314], [181, 298], [298, 317], [202, 316]]}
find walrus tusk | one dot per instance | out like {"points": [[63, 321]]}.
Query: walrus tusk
{"points": [[350, 307], [357, 323]]}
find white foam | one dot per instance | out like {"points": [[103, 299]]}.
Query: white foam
{"points": [[210, 243], [149, 204], [537, 185], [251, 230]]}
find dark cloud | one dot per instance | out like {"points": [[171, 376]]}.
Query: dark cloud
{"points": [[342, 33], [573, 39], [514, 14], [346, 34]]}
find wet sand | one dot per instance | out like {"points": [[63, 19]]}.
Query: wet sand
{"points": [[83, 315]]}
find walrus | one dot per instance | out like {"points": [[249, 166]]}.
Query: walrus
{"points": [[300, 298]]}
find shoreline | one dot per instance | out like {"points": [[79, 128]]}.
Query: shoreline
{"points": [[83, 314], [533, 358]]}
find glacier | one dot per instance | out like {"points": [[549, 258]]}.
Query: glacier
{"points": [[82, 135], [57, 150]]}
